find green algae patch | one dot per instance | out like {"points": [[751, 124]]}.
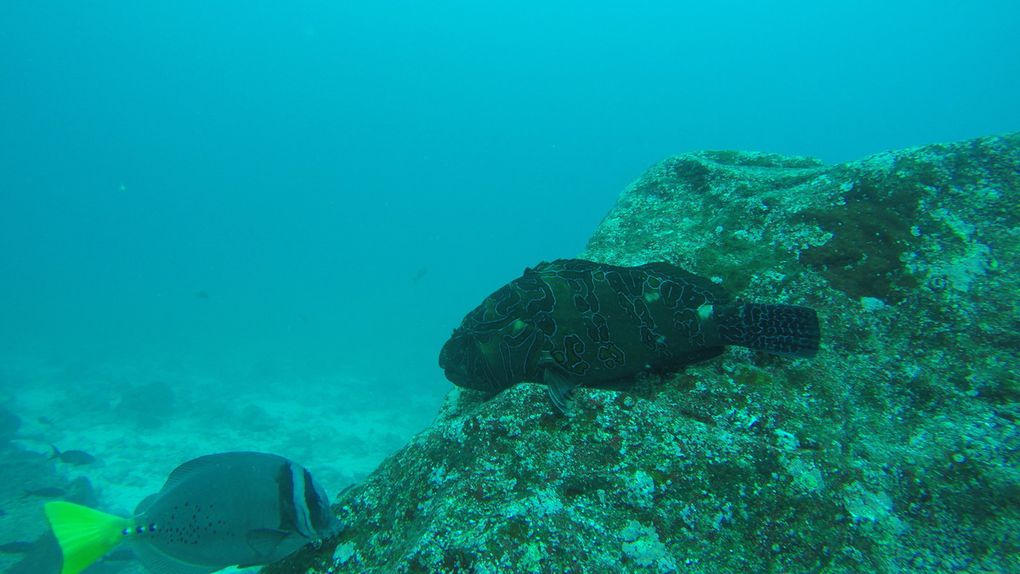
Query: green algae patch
{"points": [[870, 231]]}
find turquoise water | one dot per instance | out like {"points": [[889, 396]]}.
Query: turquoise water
{"points": [[252, 225]]}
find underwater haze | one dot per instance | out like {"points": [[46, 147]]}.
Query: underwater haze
{"points": [[253, 225]]}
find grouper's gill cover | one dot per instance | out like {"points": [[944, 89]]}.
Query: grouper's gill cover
{"points": [[237, 508], [573, 322]]}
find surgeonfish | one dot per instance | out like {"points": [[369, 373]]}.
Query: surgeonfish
{"points": [[75, 457], [573, 323], [219, 510]]}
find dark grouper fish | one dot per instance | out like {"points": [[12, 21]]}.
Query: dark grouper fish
{"points": [[235, 508], [576, 323]]}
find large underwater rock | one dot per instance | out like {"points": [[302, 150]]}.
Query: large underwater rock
{"points": [[896, 448]]}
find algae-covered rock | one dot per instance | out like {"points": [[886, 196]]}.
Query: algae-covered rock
{"points": [[896, 448]]}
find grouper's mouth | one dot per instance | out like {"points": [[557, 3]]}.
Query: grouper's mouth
{"points": [[454, 360], [444, 355], [456, 377], [450, 366]]}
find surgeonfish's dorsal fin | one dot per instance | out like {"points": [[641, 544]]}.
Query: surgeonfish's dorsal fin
{"points": [[210, 461], [145, 504], [188, 469], [84, 534]]}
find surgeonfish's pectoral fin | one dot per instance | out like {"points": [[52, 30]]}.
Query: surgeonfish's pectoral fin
{"points": [[155, 561], [84, 534], [265, 541], [561, 391]]}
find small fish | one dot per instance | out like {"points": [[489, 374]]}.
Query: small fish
{"points": [[75, 457], [16, 547], [9, 424], [201, 295], [45, 492], [573, 323], [39, 557], [419, 274], [235, 508]]}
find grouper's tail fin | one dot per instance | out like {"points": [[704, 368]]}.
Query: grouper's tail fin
{"points": [[778, 329], [84, 534]]}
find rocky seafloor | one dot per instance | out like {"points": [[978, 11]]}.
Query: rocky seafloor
{"points": [[897, 448]]}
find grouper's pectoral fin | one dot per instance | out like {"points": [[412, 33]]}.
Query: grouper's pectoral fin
{"points": [[560, 391]]}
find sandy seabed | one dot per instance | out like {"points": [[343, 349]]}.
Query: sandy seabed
{"points": [[339, 427]]}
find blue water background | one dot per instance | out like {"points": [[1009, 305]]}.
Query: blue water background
{"points": [[274, 191]]}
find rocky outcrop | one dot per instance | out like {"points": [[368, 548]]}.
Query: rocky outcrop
{"points": [[896, 448]]}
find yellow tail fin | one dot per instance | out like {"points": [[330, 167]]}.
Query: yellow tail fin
{"points": [[84, 534]]}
